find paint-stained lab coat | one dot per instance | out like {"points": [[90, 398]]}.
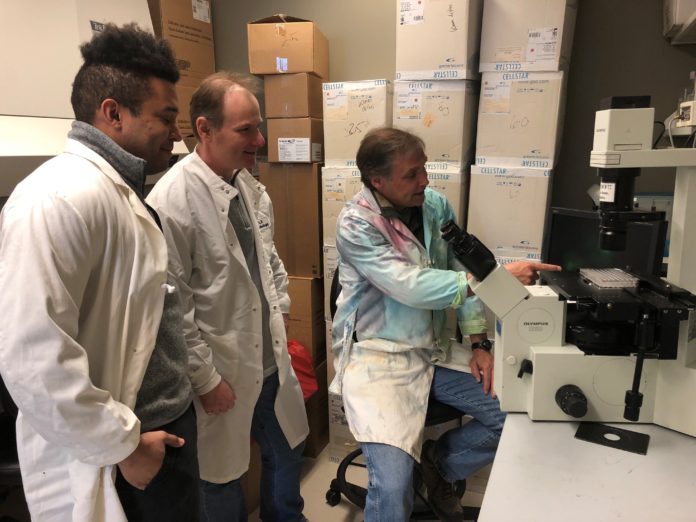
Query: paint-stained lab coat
{"points": [[395, 293], [83, 268], [222, 308]]}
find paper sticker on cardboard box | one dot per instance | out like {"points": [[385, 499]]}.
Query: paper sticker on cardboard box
{"points": [[542, 43], [201, 10], [281, 64], [495, 96], [508, 54], [411, 12], [293, 149], [336, 107], [408, 105]]}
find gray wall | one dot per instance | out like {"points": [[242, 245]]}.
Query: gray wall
{"points": [[618, 50]]}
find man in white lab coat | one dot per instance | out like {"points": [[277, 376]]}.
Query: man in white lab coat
{"points": [[218, 221], [83, 268]]}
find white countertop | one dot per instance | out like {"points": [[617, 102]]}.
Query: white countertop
{"points": [[543, 473]]}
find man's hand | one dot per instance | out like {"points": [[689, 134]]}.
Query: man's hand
{"points": [[141, 466], [481, 365], [219, 399], [527, 272]]}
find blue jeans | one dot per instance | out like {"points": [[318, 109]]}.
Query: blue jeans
{"points": [[459, 452], [463, 451], [280, 472], [389, 483]]}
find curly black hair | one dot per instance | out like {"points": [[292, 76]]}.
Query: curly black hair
{"points": [[118, 64]]}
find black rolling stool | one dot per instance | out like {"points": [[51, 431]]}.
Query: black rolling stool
{"points": [[438, 413]]}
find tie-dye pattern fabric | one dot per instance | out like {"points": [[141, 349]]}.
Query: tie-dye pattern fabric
{"points": [[395, 292]]}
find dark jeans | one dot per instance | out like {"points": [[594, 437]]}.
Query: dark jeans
{"points": [[281, 467], [173, 494]]}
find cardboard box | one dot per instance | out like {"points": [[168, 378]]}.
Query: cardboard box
{"points": [[39, 52], [295, 140], [534, 35], [317, 407], [341, 440], [442, 114], [351, 109], [338, 186], [295, 192], [452, 182], [520, 119], [330, 259], [330, 370], [285, 44], [187, 26], [507, 209], [307, 315], [292, 95], [438, 40], [251, 480]]}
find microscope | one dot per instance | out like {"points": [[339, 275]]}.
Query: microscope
{"points": [[602, 344]]}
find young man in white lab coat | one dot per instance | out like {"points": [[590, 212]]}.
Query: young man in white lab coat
{"points": [[398, 276], [83, 268], [218, 221]]}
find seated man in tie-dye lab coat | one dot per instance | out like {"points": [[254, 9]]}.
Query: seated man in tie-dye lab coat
{"points": [[398, 277]]}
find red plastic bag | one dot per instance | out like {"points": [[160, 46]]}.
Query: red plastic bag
{"points": [[303, 365]]}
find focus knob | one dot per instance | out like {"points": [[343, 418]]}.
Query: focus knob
{"points": [[571, 400]]}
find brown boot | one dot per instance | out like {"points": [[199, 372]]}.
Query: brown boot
{"points": [[442, 497]]}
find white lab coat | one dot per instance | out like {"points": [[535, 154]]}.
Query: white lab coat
{"points": [[222, 308], [82, 271]]}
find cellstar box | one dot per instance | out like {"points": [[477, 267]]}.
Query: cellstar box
{"points": [[295, 140], [507, 209], [292, 95], [294, 191], [330, 259], [351, 109], [534, 35], [520, 119], [306, 323], [451, 181], [441, 113], [438, 40], [285, 44], [338, 186]]}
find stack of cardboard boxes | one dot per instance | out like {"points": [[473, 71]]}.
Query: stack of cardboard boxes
{"points": [[525, 53], [436, 89], [292, 56], [187, 25]]}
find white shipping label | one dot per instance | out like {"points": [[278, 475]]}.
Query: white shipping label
{"points": [[335, 105], [316, 152], [542, 44], [495, 96], [281, 64], [293, 149], [607, 192], [508, 54], [201, 10], [411, 12], [408, 105]]}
